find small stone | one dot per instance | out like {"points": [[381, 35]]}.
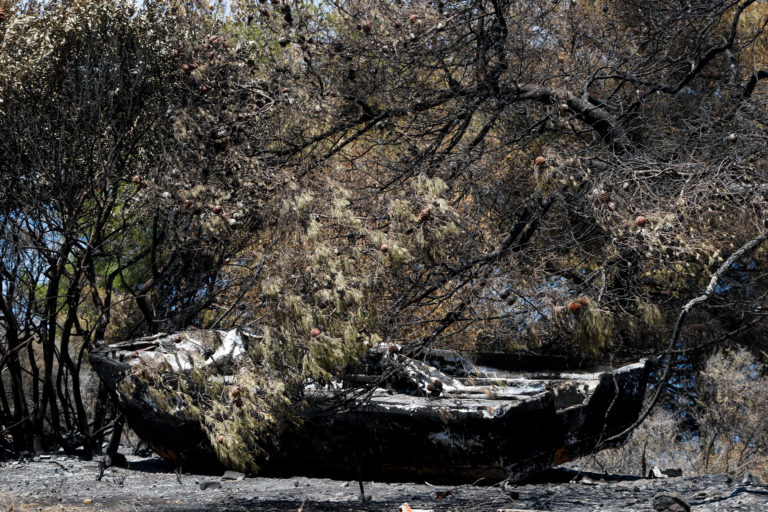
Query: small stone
{"points": [[87, 501], [233, 475], [207, 484], [670, 502]]}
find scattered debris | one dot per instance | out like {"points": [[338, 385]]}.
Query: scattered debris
{"points": [[151, 485], [655, 472], [750, 479], [407, 508]]}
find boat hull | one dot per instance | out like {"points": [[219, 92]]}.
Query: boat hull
{"points": [[490, 425]]}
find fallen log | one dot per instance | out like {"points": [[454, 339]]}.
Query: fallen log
{"points": [[439, 417]]}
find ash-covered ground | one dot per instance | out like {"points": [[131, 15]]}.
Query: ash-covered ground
{"points": [[58, 482]]}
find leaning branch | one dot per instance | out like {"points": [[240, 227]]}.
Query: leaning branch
{"points": [[609, 129]]}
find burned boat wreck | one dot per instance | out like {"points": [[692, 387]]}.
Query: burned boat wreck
{"points": [[439, 417]]}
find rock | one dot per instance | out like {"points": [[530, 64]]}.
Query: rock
{"points": [[233, 475], [656, 473], [208, 484], [673, 472], [670, 502]]}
